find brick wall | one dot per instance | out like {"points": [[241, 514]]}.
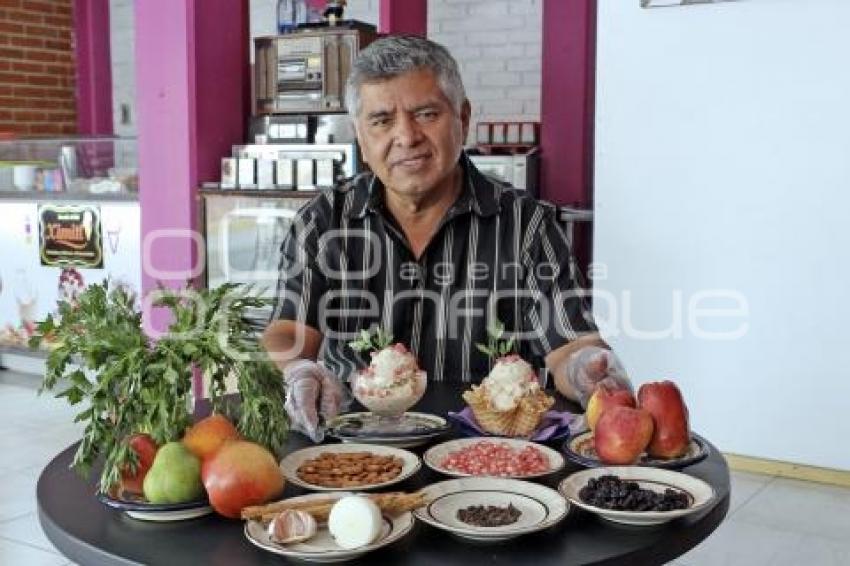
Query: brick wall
{"points": [[37, 94]]}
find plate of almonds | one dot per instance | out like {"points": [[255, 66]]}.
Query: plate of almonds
{"points": [[349, 467]]}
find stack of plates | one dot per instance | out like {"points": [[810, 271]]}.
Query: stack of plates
{"points": [[414, 429]]}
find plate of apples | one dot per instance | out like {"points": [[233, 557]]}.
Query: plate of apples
{"points": [[650, 429]]}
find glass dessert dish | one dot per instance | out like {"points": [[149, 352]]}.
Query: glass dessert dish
{"points": [[390, 385]]}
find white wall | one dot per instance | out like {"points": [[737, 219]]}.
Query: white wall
{"points": [[722, 162], [497, 44], [122, 50]]}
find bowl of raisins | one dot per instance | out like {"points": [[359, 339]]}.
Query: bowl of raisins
{"points": [[636, 495]]}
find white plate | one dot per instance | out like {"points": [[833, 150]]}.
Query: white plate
{"points": [[140, 509], [289, 465], [392, 442], [581, 450], [541, 507], [414, 429], [167, 516], [435, 455], [322, 547], [699, 492]]}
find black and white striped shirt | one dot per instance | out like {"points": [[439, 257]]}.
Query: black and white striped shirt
{"points": [[346, 266]]}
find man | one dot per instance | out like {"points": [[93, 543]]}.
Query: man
{"points": [[424, 247]]}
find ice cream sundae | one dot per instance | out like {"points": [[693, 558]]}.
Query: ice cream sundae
{"points": [[509, 401], [392, 382]]}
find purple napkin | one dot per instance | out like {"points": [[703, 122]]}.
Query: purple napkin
{"points": [[555, 424]]}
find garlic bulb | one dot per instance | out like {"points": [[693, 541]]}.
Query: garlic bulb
{"points": [[292, 526]]}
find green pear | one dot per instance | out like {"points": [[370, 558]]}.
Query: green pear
{"points": [[174, 477]]}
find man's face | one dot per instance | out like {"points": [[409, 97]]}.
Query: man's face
{"points": [[409, 133]]}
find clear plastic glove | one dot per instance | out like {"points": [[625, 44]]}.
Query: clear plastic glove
{"points": [[591, 366], [314, 396]]}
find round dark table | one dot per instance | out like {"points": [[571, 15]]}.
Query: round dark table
{"points": [[90, 533]]}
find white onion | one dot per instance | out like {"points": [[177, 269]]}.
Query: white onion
{"points": [[355, 521]]}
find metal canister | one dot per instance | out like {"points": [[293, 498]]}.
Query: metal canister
{"points": [[324, 172], [285, 173], [306, 174]]}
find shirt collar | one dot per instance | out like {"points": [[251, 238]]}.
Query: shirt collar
{"points": [[480, 194]]}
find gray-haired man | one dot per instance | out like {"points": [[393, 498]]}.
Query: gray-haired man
{"points": [[423, 247]]}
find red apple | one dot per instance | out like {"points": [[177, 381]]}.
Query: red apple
{"points": [[603, 398], [240, 474], [663, 400], [145, 448], [206, 436], [622, 434]]}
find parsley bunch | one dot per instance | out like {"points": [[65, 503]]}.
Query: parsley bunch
{"points": [[127, 383]]}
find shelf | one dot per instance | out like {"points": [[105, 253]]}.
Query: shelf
{"points": [[259, 193], [33, 196]]}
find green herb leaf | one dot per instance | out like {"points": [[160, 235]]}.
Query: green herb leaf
{"points": [[132, 385], [496, 347]]}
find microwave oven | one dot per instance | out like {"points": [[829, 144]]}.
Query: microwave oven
{"points": [[520, 170]]}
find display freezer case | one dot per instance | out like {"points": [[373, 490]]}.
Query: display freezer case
{"points": [[74, 167], [69, 217]]}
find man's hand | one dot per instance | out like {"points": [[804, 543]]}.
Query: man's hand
{"points": [[312, 392], [591, 366]]}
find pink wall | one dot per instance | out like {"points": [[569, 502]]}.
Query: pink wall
{"points": [[403, 16], [567, 95], [191, 77], [94, 67]]}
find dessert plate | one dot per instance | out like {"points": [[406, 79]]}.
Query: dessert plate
{"points": [[322, 547], [540, 507], [159, 512], [579, 448], [290, 464], [699, 493], [413, 429], [435, 457]]}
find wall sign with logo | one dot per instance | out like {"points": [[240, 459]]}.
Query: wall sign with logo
{"points": [[70, 235]]}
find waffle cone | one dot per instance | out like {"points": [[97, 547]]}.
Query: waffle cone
{"points": [[521, 421]]}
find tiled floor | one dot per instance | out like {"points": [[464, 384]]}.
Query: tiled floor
{"points": [[772, 521], [33, 429]]}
